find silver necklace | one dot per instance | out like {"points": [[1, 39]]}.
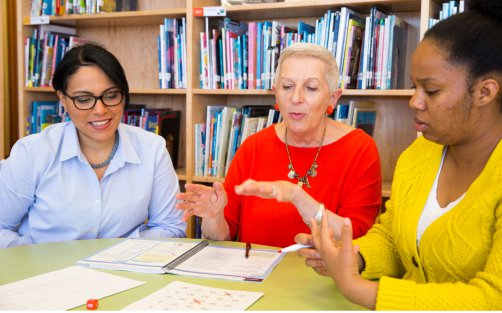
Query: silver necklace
{"points": [[312, 171], [110, 157]]}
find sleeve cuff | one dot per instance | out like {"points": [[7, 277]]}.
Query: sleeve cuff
{"points": [[395, 294]]}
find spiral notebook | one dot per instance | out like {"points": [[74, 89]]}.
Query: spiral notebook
{"points": [[188, 258]]}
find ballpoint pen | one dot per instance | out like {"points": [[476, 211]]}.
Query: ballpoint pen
{"points": [[295, 247], [248, 247]]}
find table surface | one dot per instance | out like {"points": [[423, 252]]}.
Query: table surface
{"points": [[291, 285]]}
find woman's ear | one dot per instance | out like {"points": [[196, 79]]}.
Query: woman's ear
{"points": [[62, 99], [335, 96], [486, 91]]}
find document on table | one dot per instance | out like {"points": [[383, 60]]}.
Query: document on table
{"points": [[62, 289], [180, 296], [230, 263], [192, 258]]}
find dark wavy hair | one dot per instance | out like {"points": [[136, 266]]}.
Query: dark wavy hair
{"points": [[90, 53], [473, 39]]}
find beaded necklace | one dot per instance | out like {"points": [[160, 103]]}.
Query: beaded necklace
{"points": [[312, 172], [110, 157]]}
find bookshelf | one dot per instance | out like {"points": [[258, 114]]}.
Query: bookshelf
{"points": [[131, 36]]}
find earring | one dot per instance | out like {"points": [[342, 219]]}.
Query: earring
{"points": [[276, 107], [330, 110]]}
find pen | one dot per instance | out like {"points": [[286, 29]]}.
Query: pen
{"points": [[294, 247], [248, 247]]}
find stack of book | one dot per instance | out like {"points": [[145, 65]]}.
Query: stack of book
{"points": [[225, 130], [358, 114], [64, 7], [163, 122], [370, 51], [171, 48], [44, 49]]}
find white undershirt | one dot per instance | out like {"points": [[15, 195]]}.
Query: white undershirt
{"points": [[432, 210]]}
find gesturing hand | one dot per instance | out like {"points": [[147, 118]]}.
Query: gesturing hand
{"points": [[312, 256], [202, 200], [340, 258], [282, 191]]}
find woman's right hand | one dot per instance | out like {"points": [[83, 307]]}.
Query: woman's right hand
{"points": [[312, 256], [201, 200]]}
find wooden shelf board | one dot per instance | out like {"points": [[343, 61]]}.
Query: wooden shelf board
{"points": [[314, 8], [181, 172], [346, 92], [153, 91], [116, 18], [386, 189]]}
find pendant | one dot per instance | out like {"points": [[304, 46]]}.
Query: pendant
{"points": [[292, 174], [312, 172], [306, 181], [303, 181]]}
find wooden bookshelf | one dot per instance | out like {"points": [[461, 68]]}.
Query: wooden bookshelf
{"points": [[131, 36]]}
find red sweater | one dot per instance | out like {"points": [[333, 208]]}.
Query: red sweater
{"points": [[348, 182]]}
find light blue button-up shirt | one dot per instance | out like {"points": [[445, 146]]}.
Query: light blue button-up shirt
{"points": [[49, 192]]}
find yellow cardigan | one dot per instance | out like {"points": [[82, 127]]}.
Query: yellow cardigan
{"points": [[458, 265]]}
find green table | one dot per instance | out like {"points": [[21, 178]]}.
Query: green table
{"points": [[290, 286]]}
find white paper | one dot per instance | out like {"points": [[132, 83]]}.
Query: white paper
{"points": [[229, 263], [148, 256], [62, 289], [180, 296]]}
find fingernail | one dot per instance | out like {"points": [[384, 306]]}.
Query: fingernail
{"points": [[346, 221]]}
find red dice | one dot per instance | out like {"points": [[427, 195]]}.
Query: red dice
{"points": [[92, 304]]}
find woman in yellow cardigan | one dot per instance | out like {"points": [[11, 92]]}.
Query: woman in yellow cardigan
{"points": [[439, 244]]}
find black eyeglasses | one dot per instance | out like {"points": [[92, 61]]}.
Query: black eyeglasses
{"points": [[87, 102]]}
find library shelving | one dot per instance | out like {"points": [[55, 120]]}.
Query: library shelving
{"points": [[131, 36]]}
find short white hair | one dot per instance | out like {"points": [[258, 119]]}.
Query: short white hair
{"points": [[300, 49]]}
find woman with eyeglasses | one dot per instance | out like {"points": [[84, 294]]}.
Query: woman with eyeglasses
{"points": [[93, 176]]}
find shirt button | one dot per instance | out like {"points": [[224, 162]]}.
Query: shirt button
{"points": [[414, 261]]}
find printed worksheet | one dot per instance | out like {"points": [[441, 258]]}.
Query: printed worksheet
{"points": [[180, 296], [230, 263], [62, 289]]}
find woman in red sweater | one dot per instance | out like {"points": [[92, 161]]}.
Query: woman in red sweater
{"points": [[307, 156]]}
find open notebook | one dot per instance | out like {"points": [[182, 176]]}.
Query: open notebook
{"points": [[188, 258]]}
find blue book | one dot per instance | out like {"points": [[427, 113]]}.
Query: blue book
{"points": [[43, 114], [220, 57], [238, 63], [160, 57], [336, 27], [47, 7], [259, 53], [266, 50], [305, 29], [244, 62]]}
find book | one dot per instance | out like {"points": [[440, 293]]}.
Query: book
{"points": [[365, 119], [397, 65], [357, 104], [196, 258], [126, 5], [169, 128], [353, 43]]}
